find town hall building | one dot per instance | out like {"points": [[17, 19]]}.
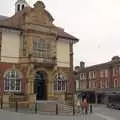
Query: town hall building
{"points": [[36, 57]]}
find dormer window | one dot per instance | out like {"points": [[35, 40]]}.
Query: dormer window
{"points": [[18, 7]]}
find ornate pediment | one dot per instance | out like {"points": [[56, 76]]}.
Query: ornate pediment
{"points": [[39, 4], [39, 15]]}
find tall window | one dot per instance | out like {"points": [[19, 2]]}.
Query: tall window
{"points": [[106, 73], [115, 83], [59, 83], [41, 48], [12, 81], [115, 71], [101, 73]]}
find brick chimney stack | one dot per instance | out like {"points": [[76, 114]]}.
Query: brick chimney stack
{"points": [[82, 65]]}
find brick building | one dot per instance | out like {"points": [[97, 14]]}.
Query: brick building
{"points": [[36, 57], [99, 81]]}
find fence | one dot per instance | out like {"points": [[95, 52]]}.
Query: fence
{"points": [[40, 107]]}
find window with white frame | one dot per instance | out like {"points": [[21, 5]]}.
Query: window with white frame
{"points": [[115, 71], [106, 73], [60, 83], [90, 75], [106, 83], [82, 76], [12, 81], [93, 74], [115, 83], [41, 48], [77, 84], [101, 73]]}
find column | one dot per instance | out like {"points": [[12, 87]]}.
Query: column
{"points": [[30, 84], [96, 98]]}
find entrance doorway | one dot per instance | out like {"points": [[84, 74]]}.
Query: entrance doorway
{"points": [[40, 86]]}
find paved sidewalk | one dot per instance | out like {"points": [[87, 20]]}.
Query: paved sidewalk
{"points": [[6, 115]]}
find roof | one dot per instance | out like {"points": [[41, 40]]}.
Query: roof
{"points": [[3, 17], [97, 66], [9, 27], [63, 34]]}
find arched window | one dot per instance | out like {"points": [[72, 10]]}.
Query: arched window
{"points": [[12, 81], [59, 83], [23, 7], [18, 7]]}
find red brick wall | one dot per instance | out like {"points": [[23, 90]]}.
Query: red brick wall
{"points": [[3, 68]]}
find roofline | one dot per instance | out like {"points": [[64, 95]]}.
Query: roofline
{"points": [[9, 27], [98, 65], [75, 39]]}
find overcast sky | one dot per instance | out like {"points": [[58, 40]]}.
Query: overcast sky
{"points": [[95, 22]]}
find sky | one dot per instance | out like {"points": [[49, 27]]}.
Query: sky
{"points": [[96, 23]]}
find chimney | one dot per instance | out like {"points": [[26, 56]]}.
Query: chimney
{"points": [[82, 65], [77, 68]]}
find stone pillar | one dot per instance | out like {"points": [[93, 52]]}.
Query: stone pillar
{"points": [[96, 98], [30, 84], [50, 87], [106, 99]]}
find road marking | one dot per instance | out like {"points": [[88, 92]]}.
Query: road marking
{"points": [[104, 116]]}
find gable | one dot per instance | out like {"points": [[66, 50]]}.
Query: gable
{"points": [[39, 15], [36, 15]]}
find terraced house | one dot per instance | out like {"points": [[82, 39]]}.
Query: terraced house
{"points": [[36, 57], [99, 83]]}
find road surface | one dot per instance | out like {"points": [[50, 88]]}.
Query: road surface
{"points": [[100, 113]]}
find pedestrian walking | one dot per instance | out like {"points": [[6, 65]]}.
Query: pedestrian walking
{"points": [[85, 106]]}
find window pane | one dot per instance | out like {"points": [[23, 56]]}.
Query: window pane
{"points": [[6, 84], [18, 84], [12, 85], [12, 81], [12, 74], [59, 85], [63, 85]]}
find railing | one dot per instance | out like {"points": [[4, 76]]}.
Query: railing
{"points": [[38, 60], [45, 107], [43, 60]]}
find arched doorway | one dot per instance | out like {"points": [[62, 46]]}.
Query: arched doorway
{"points": [[40, 86]]}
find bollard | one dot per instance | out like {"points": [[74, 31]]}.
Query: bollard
{"points": [[91, 109], [73, 108], [16, 106], [56, 109], [36, 107], [86, 111], [1, 104]]}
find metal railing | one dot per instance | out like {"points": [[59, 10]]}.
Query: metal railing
{"points": [[45, 107]]}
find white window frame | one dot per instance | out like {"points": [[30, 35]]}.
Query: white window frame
{"points": [[59, 78], [106, 73], [77, 84], [10, 78], [115, 81]]}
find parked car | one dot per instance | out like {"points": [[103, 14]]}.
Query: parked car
{"points": [[113, 105]]}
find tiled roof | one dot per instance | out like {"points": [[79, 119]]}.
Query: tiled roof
{"points": [[66, 35]]}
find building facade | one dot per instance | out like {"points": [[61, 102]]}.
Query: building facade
{"points": [[99, 81], [36, 57]]}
